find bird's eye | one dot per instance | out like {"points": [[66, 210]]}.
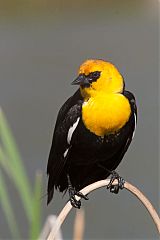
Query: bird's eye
{"points": [[94, 75]]}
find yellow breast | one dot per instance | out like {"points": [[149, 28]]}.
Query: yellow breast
{"points": [[106, 113]]}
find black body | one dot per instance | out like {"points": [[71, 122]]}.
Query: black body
{"points": [[86, 151]]}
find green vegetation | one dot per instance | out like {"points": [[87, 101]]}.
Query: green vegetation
{"points": [[11, 166]]}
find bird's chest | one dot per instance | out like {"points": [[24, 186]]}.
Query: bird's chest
{"points": [[105, 115]]}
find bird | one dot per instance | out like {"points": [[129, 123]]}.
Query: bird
{"points": [[93, 131]]}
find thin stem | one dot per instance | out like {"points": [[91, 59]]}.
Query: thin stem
{"points": [[63, 214]]}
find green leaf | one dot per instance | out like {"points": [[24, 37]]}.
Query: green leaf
{"points": [[7, 209], [14, 167], [36, 218]]}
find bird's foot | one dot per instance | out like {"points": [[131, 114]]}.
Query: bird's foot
{"points": [[120, 185], [72, 197]]}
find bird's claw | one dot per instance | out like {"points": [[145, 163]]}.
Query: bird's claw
{"points": [[120, 185], [74, 202]]}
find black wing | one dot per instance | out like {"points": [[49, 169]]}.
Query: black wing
{"points": [[131, 125], [132, 101], [67, 120]]}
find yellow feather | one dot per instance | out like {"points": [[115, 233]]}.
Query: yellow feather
{"points": [[106, 113]]}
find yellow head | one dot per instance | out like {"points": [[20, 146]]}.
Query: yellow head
{"points": [[96, 76]]}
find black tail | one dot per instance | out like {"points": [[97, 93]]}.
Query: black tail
{"points": [[50, 189], [50, 196]]}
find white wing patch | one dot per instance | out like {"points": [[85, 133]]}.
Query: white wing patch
{"points": [[71, 130], [135, 121], [65, 153]]}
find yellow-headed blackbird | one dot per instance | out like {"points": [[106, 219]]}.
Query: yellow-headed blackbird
{"points": [[93, 131]]}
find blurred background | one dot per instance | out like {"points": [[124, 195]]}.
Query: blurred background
{"points": [[42, 44]]}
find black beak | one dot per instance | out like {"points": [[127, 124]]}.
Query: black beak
{"points": [[81, 80]]}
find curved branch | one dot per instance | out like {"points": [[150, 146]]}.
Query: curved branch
{"points": [[63, 214]]}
